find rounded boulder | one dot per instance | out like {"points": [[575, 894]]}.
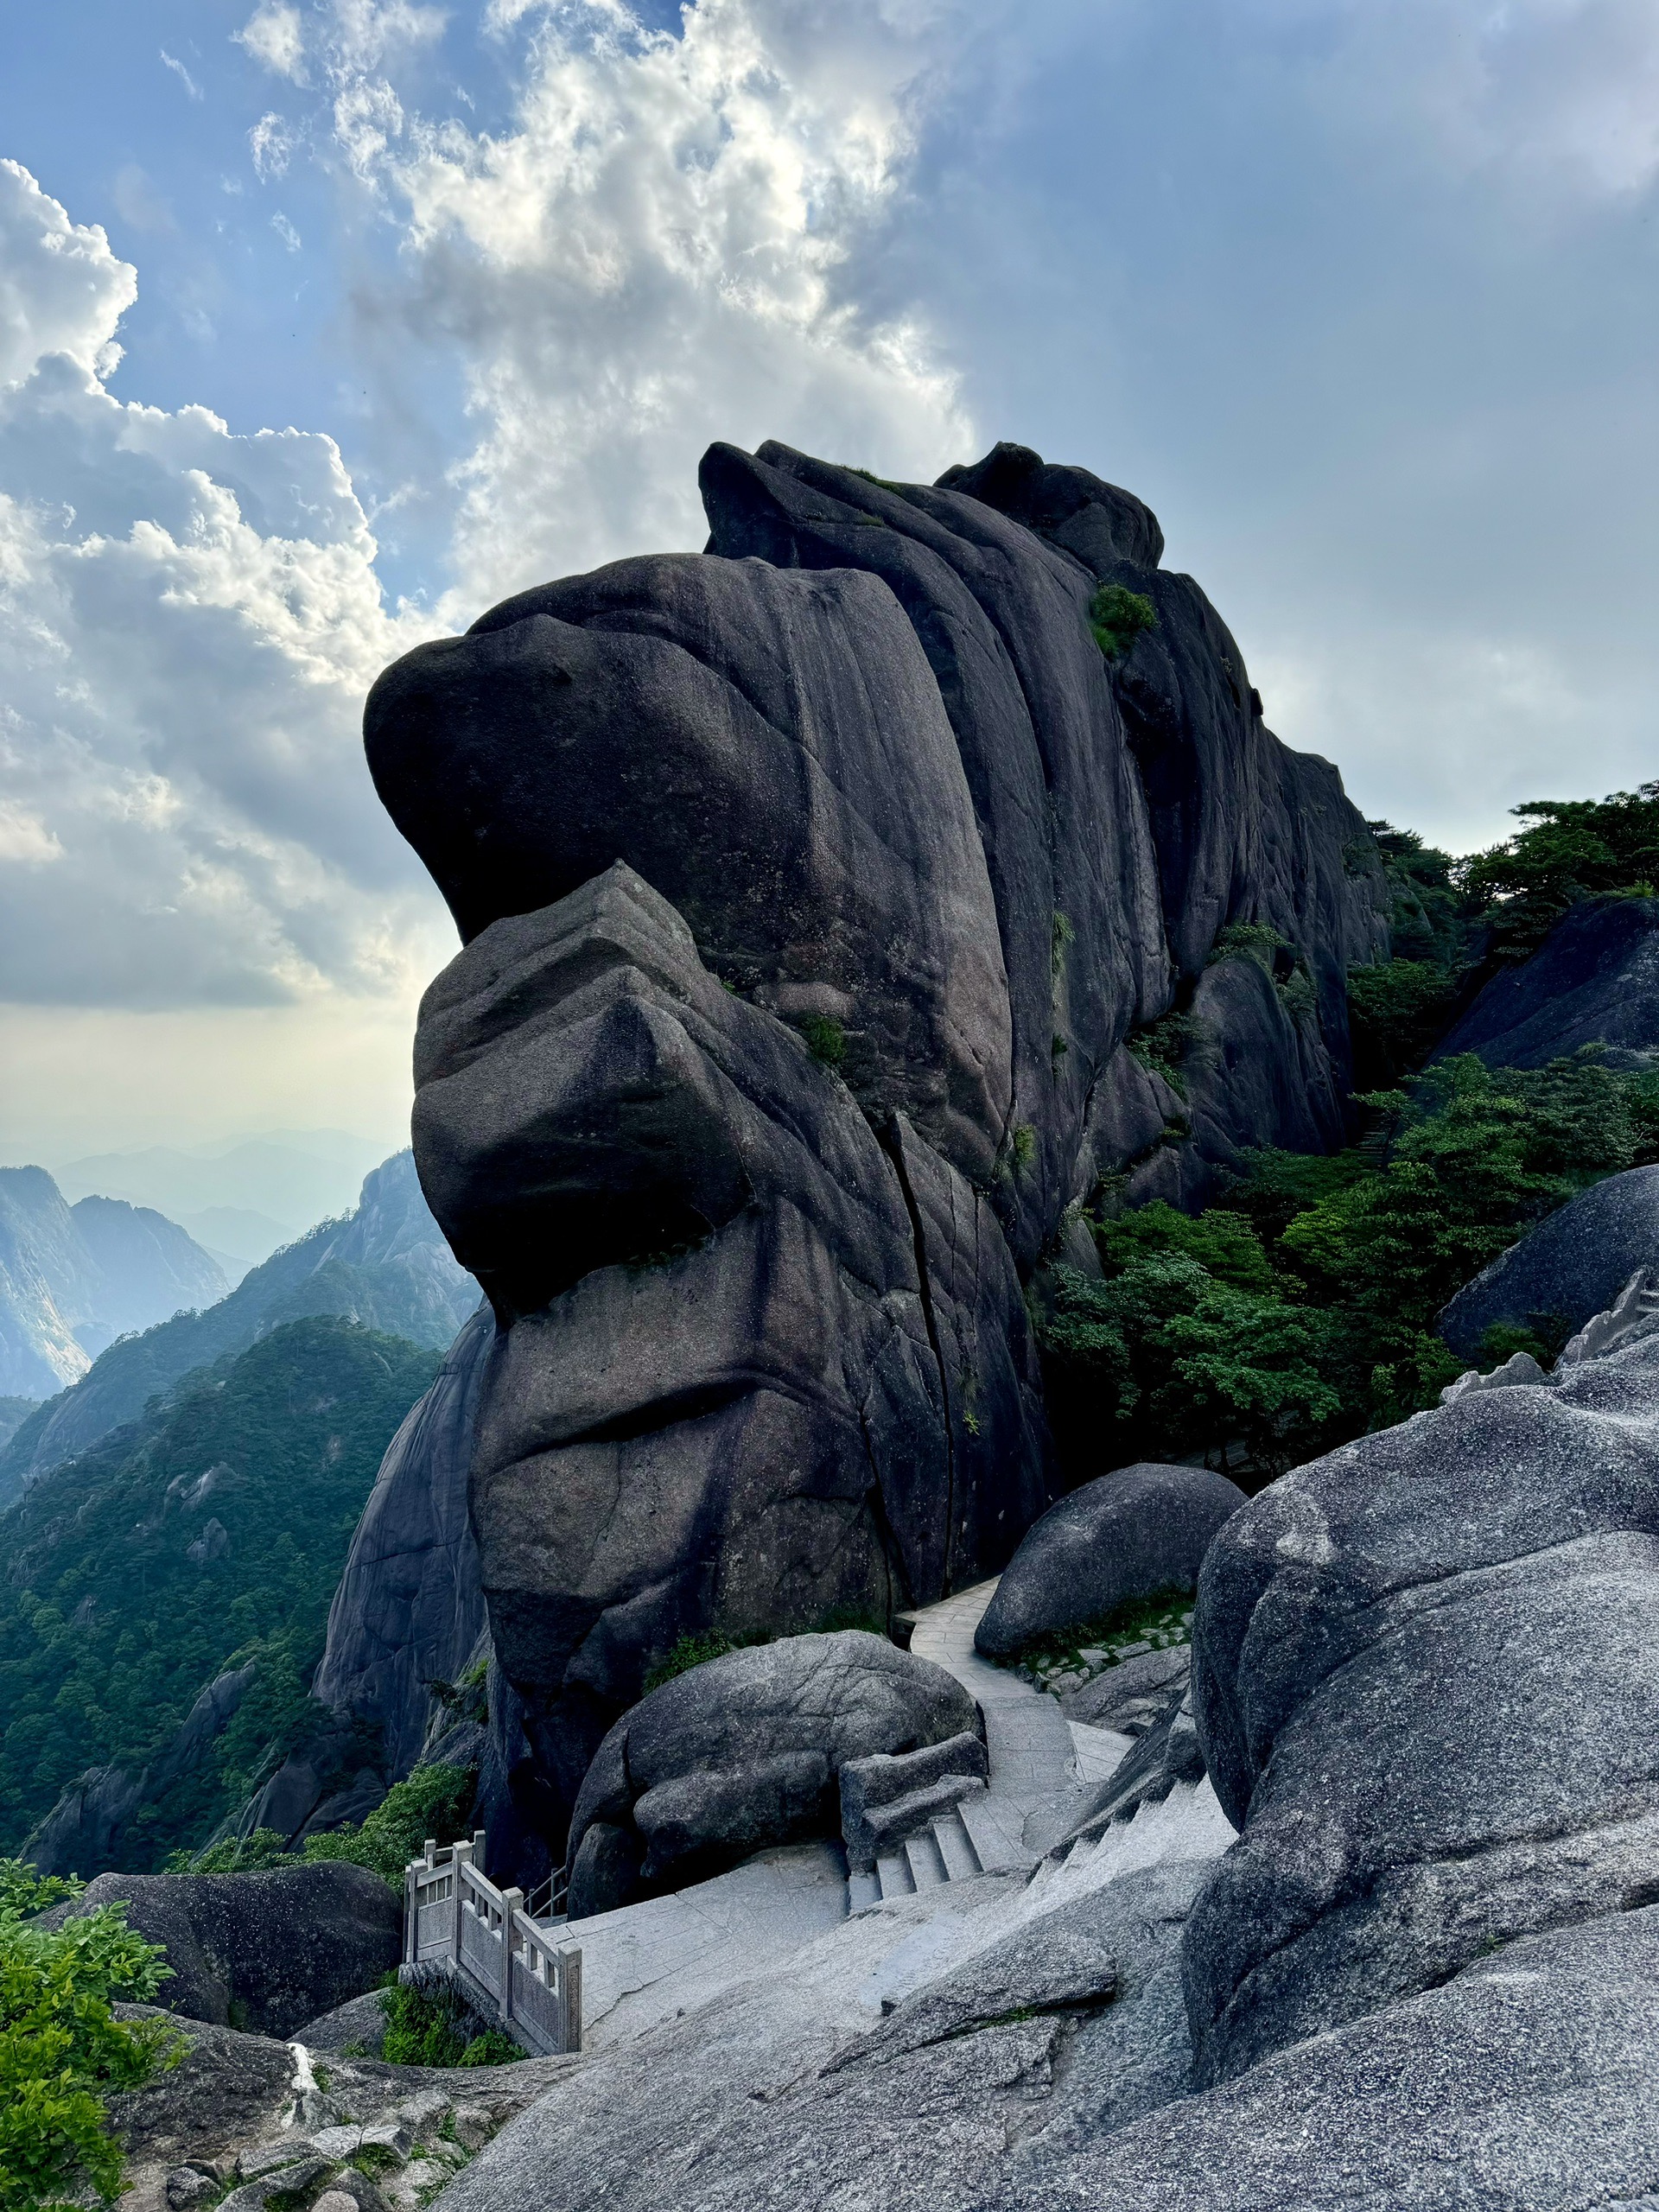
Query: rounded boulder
{"points": [[1127, 1535], [1572, 1266], [744, 1754]]}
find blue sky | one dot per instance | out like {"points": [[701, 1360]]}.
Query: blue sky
{"points": [[1359, 294]]}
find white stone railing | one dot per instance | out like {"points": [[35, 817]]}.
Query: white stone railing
{"points": [[454, 1915]]}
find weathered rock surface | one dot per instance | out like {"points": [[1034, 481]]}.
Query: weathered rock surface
{"points": [[255, 2114], [1423, 1671], [744, 1751], [1593, 981], [1520, 2086], [270, 1950], [861, 768], [1141, 1529], [900, 2065], [758, 1429], [1131, 1695], [1570, 1267]]}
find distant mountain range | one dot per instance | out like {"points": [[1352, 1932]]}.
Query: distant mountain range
{"points": [[72, 1278], [240, 1199], [385, 1265]]}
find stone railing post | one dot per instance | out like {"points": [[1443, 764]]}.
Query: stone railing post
{"points": [[460, 1857], [510, 1902], [570, 2000]]}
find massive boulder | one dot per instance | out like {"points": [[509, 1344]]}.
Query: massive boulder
{"points": [[729, 1391], [1126, 1536], [1593, 981], [263, 1951], [814, 890], [1424, 1674], [1572, 1266], [745, 1751]]}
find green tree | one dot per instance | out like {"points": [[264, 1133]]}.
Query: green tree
{"points": [[1570, 850], [62, 2050]]}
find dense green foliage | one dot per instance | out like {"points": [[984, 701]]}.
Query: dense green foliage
{"points": [[1300, 1310], [433, 1801], [1117, 617], [429, 2023], [1570, 850], [208, 1535], [62, 2051]]}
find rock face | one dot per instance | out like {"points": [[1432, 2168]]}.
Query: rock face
{"points": [[385, 1265], [1573, 1265], [813, 891], [745, 1751], [278, 1947], [1593, 981], [1128, 1535], [88, 1824], [1505, 1550]]}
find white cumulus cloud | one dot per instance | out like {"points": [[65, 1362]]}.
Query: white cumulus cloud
{"points": [[189, 622], [656, 255]]}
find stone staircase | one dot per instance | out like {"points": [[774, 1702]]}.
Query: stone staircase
{"points": [[1042, 1769]]}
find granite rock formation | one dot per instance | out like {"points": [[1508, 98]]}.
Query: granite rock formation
{"points": [[745, 1752], [1505, 1550], [1125, 1535], [1593, 981], [824, 899], [279, 1947], [1570, 1267]]}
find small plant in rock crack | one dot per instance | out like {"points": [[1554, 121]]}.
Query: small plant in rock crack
{"points": [[825, 1039], [1159, 1623], [1116, 617]]}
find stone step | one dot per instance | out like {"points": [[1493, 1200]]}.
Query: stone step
{"points": [[995, 1828], [893, 1873], [956, 1849], [927, 1865], [862, 1890]]}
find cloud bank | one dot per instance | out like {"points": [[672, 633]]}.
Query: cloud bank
{"points": [[188, 620]]}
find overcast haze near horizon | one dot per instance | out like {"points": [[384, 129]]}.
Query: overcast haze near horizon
{"points": [[325, 323]]}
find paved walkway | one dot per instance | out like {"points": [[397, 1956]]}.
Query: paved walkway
{"points": [[1041, 1768]]}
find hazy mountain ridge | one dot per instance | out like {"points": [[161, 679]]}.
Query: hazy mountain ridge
{"points": [[385, 1264], [74, 1278]]}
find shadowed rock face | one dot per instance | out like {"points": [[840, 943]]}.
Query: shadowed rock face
{"points": [[1593, 981], [859, 773], [1573, 1265]]}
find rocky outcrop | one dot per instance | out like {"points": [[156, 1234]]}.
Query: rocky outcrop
{"points": [[252, 2116], [1503, 1549], [1593, 981], [757, 1401], [1129, 1535], [88, 1824], [385, 1265], [269, 1950], [745, 1752], [820, 894], [1570, 1267]]}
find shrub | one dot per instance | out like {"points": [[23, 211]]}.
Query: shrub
{"points": [[430, 2022], [62, 2048], [236, 1854], [1396, 1009], [1165, 1044], [434, 1800], [1117, 617], [825, 1039]]}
